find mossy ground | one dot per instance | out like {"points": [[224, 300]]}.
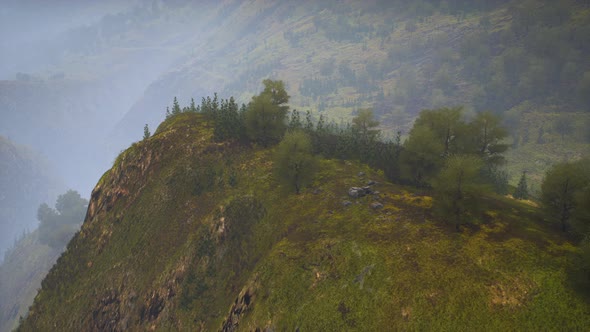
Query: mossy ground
{"points": [[343, 268], [209, 220]]}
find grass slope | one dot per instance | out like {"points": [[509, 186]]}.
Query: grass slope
{"points": [[187, 234]]}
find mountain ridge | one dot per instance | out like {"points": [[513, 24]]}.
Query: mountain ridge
{"points": [[170, 241]]}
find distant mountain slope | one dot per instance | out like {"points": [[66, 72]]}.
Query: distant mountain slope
{"points": [[26, 180], [184, 233], [510, 57], [396, 57], [66, 117], [21, 272]]}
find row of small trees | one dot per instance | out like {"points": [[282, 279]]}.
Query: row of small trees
{"points": [[459, 160]]}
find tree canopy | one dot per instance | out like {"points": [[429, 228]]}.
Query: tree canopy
{"points": [[563, 190], [58, 225], [266, 113], [295, 165], [458, 190]]}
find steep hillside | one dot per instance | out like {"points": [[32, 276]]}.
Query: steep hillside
{"points": [[184, 233]]}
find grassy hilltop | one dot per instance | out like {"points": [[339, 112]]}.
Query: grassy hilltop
{"points": [[185, 233]]}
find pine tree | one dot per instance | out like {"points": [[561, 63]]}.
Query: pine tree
{"points": [[192, 107], [168, 114], [321, 125], [308, 122], [146, 132], [522, 191], [176, 107], [295, 122]]}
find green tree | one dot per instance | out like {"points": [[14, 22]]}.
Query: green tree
{"points": [[294, 164], [365, 136], [522, 191], [227, 121], [295, 121], [264, 120], [192, 106], [458, 190], [265, 116], [308, 122], [277, 92], [421, 156], [146, 132], [562, 184], [447, 126], [487, 133], [58, 225], [497, 177], [364, 123], [175, 107]]}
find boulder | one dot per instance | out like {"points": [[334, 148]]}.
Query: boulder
{"points": [[376, 205], [371, 183], [346, 203], [355, 192], [367, 190], [361, 174]]}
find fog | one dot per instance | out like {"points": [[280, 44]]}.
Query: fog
{"points": [[79, 79], [63, 87]]}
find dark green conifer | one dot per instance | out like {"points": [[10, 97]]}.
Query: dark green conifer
{"points": [[192, 107], [146, 132], [176, 107], [522, 191], [295, 121]]}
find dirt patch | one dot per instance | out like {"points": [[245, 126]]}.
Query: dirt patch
{"points": [[512, 293]]}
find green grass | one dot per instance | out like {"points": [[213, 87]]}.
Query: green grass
{"points": [[173, 257]]}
